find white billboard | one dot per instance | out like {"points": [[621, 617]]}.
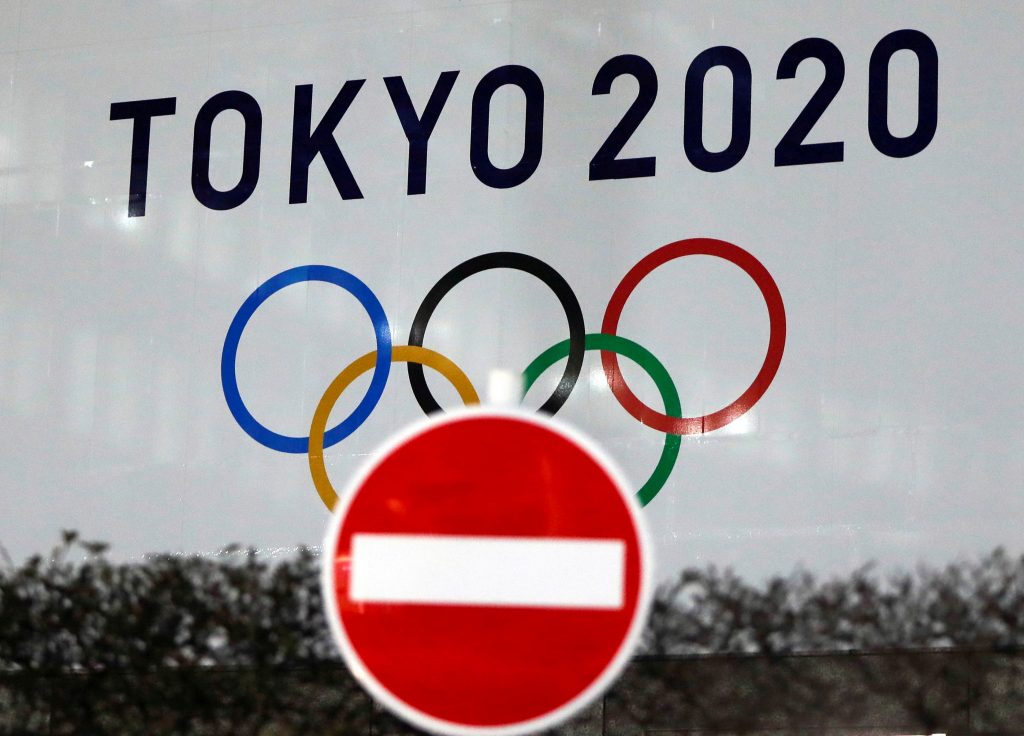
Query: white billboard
{"points": [[797, 222]]}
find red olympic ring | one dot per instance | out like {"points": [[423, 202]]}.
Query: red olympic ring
{"points": [[772, 359]]}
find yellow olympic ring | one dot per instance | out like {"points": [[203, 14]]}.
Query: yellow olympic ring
{"points": [[399, 354]]}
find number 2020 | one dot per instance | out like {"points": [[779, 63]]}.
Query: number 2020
{"points": [[792, 149]]}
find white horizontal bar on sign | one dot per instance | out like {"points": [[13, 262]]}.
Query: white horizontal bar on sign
{"points": [[538, 572]]}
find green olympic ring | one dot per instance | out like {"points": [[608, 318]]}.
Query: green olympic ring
{"points": [[646, 360]]}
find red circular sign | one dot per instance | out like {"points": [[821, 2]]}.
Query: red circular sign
{"points": [[487, 573]]}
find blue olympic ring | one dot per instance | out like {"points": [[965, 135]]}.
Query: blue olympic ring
{"points": [[228, 377]]}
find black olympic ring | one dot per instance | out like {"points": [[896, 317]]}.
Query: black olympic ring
{"points": [[522, 262]]}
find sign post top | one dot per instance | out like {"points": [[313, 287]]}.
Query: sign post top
{"points": [[488, 572]]}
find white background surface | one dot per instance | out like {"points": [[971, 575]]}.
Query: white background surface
{"points": [[893, 431]]}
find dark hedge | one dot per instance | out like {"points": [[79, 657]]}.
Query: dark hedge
{"points": [[238, 644]]}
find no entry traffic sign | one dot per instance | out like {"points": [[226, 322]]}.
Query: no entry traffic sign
{"points": [[487, 573]]}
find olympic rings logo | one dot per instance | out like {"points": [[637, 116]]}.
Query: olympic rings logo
{"points": [[669, 420]]}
